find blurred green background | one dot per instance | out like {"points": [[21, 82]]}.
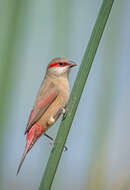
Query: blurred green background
{"points": [[31, 34]]}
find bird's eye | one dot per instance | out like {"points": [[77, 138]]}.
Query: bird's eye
{"points": [[60, 63]]}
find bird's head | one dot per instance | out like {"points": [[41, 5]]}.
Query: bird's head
{"points": [[60, 66]]}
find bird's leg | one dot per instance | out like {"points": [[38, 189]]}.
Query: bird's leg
{"points": [[49, 137], [52, 140], [55, 117], [59, 112], [52, 121]]}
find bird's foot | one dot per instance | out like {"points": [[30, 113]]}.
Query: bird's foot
{"points": [[53, 141], [52, 120], [59, 112]]}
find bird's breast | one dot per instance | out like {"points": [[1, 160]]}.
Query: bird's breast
{"points": [[60, 102]]}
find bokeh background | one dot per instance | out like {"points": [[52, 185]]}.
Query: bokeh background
{"points": [[32, 32]]}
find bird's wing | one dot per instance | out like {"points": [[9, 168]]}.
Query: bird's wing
{"points": [[45, 97]]}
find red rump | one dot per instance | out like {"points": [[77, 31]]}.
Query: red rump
{"points": [[39, 129], [58, 64], [34, 132]]}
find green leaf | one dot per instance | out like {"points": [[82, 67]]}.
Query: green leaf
{"points": [[75, 96]]}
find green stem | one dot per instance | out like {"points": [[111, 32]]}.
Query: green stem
{"points": [[76, 94]]}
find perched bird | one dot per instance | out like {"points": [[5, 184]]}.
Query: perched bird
{"points": [[50, 102]]}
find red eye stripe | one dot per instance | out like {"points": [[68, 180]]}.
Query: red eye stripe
{"points": [[57, 64]]}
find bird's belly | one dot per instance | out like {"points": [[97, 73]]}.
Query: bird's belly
{"points": [[50, 113]]}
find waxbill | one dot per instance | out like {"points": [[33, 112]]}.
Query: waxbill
{"points": [[50, 102]]}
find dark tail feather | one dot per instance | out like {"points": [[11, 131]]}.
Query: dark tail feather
{"points": [[29, 145], [23, 157]]}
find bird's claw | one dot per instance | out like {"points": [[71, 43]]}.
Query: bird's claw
{"points": [[52, 144], [64, 115], [53, 141]]}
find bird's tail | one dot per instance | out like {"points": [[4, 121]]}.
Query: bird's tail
{"points": [[22, 159], [32, 136]]}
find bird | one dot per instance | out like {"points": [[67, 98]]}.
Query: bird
{"points": [[50, 103]]}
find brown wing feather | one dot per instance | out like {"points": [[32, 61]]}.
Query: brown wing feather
{"points": [[46, 98]]}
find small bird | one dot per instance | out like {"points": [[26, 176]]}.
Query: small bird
{"points": [[50, 102]]}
